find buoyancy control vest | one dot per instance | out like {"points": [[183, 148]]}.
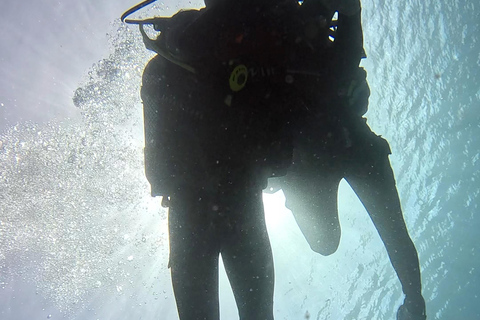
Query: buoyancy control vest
{"points": [[203, 121]]}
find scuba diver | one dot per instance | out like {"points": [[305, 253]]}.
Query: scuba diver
{"points": [[211, 142], [333, 142], [210, 162]]}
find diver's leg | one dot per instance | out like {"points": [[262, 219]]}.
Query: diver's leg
{"points": [[194, 252], [247, 257], [374, 183], [311, 195]]}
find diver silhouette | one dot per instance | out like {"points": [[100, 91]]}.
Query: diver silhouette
{"points": [[211, 142], [334, 142], [210, 163]]}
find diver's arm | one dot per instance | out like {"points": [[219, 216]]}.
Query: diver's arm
{"points": [[349, 40], [345, 55], [348, 45]]}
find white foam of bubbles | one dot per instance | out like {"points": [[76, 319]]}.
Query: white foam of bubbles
{"points": [[70, 192]]}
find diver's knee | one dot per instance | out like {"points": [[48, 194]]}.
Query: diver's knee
{"points": [[324, 237], [324, 248]]}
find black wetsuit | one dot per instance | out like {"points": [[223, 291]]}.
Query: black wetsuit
{"points": [[204, 162], [332, 142], [209, 150], [195, 159]]}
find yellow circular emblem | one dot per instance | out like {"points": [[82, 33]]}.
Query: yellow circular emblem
{"points": [[238, 78]]}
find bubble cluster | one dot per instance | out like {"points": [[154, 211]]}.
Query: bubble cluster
{"points": [[76, 215]]}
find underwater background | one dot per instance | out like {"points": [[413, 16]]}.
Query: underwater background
{"points": [[80, 237]]}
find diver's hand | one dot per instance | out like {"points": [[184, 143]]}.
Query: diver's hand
{"points": [[413, 308], [346, 7]]}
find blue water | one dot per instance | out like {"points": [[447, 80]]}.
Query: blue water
{"points": [[80, 238]]}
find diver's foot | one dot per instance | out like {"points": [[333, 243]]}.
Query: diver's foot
{"points": [[413, 308]]}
